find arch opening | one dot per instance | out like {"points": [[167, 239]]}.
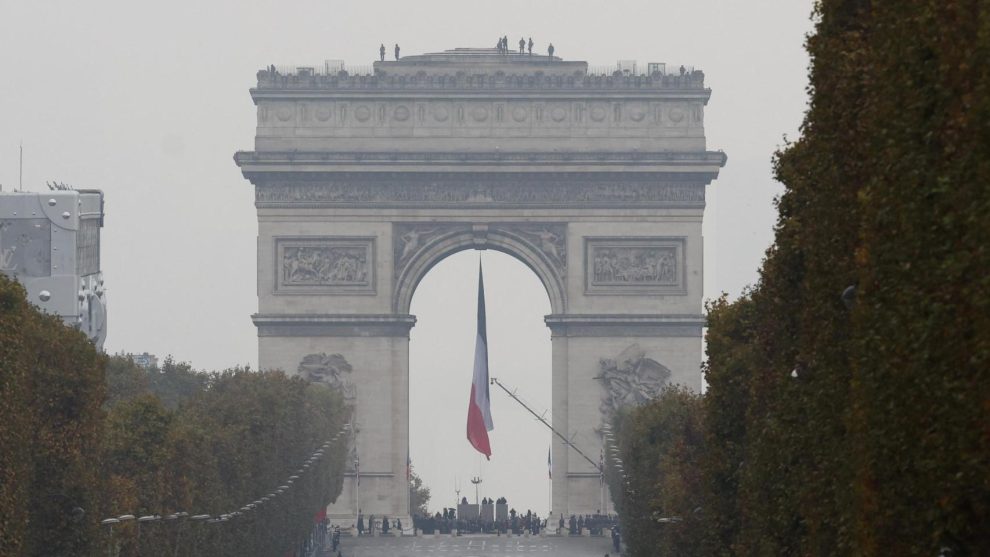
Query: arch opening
{"points": [[441, 356], [548, 266]]}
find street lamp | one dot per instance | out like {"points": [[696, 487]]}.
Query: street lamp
{"points": [[142, 520], [109, 524], [199, 518], [476, 481], [178, 529]]}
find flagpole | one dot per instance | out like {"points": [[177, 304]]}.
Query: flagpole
{"points": [[550, 478], [549, 497]]}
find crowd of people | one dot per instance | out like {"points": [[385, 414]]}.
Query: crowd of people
{"points": [[448, 522], [381, 525]]}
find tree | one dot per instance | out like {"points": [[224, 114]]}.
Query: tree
{"points": [[51, 392], [419, 496], [849, 387], [658, 492]]}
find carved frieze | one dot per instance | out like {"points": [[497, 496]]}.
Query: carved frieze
{"points": [[410, 238], [634, 265], [548, 238], [478, 192], [324, 265], [522, 114], [630, 379]]}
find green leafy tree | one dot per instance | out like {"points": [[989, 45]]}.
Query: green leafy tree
{"points": [[848, 390], [419, 495], [51, 393], [658, 491]]}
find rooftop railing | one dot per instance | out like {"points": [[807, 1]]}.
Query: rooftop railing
{"points": [[334, 74], [326, 68]]}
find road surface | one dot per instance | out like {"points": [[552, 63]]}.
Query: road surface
{"points": [[476, 546]]}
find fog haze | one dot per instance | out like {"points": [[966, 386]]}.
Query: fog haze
{"points": [[149, 102]]}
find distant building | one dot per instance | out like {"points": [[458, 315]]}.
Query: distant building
{"points": [[146, 361], [50, 243]]}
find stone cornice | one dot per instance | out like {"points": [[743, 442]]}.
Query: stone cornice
{"points": [[339, 325], [467, 190], [257, 162], [619, 325], [432, 86], [262, 95]]}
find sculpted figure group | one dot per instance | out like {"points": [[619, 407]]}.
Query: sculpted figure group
{"points": [[324, 265], [524, 46], [624, 265], [631, 378]]}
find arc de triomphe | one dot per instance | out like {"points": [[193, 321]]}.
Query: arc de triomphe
{"points": [[364, 182]]}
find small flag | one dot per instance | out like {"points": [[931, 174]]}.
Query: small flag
{"points": [[549, 465], [479, 421]]}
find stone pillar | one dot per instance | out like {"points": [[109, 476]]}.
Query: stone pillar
{"points": [[598, 352], [560, 452], [367, 358]]}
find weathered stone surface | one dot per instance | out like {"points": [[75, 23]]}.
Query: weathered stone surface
{"points": [[364, 182]]}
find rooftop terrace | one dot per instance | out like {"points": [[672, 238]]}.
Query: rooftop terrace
{"points": [[481, 68]]}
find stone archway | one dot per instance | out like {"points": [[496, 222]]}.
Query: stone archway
{"points": [[420, 246], [364, 182]]}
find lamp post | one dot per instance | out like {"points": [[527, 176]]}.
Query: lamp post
{"points": [[125, 518], [178, 519], [109, 524], [199, 518], [357, 481], [357, 470], [476, 481], [140, 521]]}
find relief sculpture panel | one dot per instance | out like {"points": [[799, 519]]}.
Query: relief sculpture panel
{"points": [[634, 266], [548, 238], [332, 370], [630, 379], [410, 238], [545, 191], [325, 265]]}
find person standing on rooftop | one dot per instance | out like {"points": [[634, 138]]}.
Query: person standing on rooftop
{"points": [[381, 52], [550, 51], [522, 46], [531, 46], [397, 52]]}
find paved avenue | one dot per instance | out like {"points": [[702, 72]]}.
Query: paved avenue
{"points": [[470, 546]]}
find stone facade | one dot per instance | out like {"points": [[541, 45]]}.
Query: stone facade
{"points": [[364, 182]]}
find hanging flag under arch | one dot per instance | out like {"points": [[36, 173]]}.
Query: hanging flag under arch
{"points": [[479, 419]]}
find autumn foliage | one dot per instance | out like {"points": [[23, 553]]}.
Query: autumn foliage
{"points": [[85, 437], [848, 402], [51, 426]]}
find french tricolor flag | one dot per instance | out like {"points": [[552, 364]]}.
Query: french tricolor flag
{"points": [[479, 421]]}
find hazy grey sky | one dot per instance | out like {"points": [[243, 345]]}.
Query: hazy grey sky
{"points": [[148, 101]]}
